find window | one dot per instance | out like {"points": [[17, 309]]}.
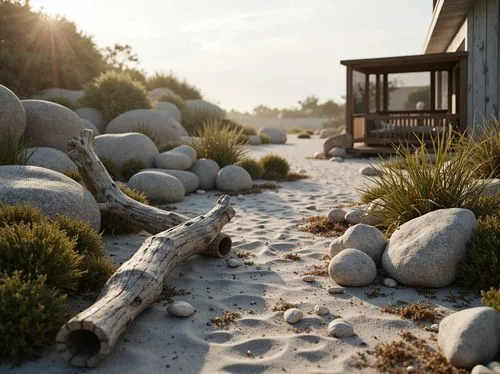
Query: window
{"points": [[358, 91], [409, 91]]}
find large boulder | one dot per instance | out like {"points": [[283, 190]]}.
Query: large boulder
{"points": [[173, 160], [326, 133], [365, 238], [158, 187], [169, 108], [12, 114], [207, 171], [162, 91], [54, 193], [254, 139], [233, 178], [129, 146], [202, 108], [277, 136], [49, 94], [492, 187], [51, 158], [94, 116], [162, 126], [50, 125], [425, 251], [188, 151], [470, 337], [352, 268], [337, 141], [190, 181]]}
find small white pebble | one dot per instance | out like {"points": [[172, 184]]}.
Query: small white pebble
{"points": [[389, 282], [201, 192], [180, 309], [308, 278], [321, 310], [340, 328], [293, 315], [435, 327], [494, 366], [319, 156], [233, 263], [336, 290], [410, 369], [481, 369], [336, 159]]}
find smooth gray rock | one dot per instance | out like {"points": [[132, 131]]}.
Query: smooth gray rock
{"points": [[336, 215], [369, 171], [128, 146], [254, 139], [73, 96], [233, 178], [50, 125], [92, 115], [481, 369], [425, 251], [162, 126], [389, 282], [233, 263], [293, 315], [207, 171], [173, 160], [188, 151], [205, 109], [492, 187], [12, 114], [365, 238], [470, 337], [337, 152], [326, 133], [89, 125], [321, 310], [277, 136], [158, 187], [169, 108], [337, 141], [51, 158], [494, 366], [54, 193], [190, 180], [352, 268], [340, 328], [180, 309]]}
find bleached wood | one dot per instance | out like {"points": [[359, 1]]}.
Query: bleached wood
{"points": [[98, 181], [89, 337]]}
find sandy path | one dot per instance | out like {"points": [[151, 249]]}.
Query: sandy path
{"points": [[265, 227]]}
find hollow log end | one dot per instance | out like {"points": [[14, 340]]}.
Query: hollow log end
{"points": [[82, 344], [220, 247]]}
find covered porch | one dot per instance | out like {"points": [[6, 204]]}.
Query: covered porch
{"points": [[397, 100]]}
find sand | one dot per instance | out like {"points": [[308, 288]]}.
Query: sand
{"points": [[265, 228]]}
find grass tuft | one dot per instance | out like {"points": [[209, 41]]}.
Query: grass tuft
{"points": [[320, 225], [225, 319]]}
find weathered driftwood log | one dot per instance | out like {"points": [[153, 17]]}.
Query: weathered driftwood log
{"points": [[89, 337], [98, 181]]}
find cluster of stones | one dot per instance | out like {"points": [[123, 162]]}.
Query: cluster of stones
{"points": [[423, 252]]}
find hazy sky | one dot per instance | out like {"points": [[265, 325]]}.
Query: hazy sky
{"points": [[242, 53]]}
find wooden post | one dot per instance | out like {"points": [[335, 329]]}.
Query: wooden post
{"points": [[89, 337]]}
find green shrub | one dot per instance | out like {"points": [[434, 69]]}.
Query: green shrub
{"points": [[114, 224], [275, 167], [179, 103], [114, 93], [249, 130], [294, 130], [167, 147], [112, 168], [480, 269], [486, 156], [130, 168], [309, 131], [265, 139], [64, 102], [12, 150], [219, 143], [41, 248], [193, 121], [14, 214], [99, 270], [491, 298], [304, 135], [253, 167], [180, 87], [32, 314], [426, 186]]}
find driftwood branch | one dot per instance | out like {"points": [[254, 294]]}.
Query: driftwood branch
{"points": [[90, 336], [98, 181]]}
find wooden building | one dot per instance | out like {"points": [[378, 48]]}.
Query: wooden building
{"points": [[453, 83]]}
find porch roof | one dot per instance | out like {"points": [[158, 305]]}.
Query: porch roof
{"points": [[406, 64]]}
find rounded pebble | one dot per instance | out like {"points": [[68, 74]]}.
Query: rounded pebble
{"points": [[410, 369], [340, 328], [308, 278], [321, 310], [435, 327], [293, 315], [389, 282], [232, 263], [336, 290], [481, 369], [494, 366], [180, 309], [201, 192]]}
